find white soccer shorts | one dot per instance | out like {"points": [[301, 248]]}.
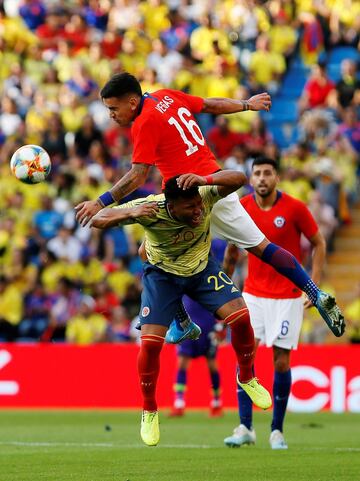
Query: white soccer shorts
{"points": [[276, 322], [230, 221]]}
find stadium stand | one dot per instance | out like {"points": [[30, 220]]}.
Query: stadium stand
{"points": [[54, 57]]}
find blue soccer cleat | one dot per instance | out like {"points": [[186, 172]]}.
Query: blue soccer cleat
{"points": [[176, 333], [331, 313]]}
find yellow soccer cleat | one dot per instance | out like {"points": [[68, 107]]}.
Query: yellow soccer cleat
{"points": [[149, 431], [256, 392]]}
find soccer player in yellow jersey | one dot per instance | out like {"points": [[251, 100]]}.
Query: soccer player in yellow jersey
{"points": [[177, 232]]}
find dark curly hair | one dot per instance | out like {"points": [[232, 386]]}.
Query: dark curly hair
{"points": [[121, 84], [173, 192]]}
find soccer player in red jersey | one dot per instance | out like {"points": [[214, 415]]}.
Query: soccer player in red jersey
{"points": [[165, 134], [275, 303]]}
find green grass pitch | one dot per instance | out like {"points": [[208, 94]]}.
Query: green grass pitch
{"points": [[105, 446]]}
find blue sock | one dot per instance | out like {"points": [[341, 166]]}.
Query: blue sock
{"points": [[287, 265], [181, 377], [215, 382], [245, 407], [281, 392], [181, 318]]}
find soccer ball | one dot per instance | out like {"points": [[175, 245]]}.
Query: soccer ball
{"points": [[31, 164]]}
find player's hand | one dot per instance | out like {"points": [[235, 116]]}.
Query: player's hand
{"points": [[145, 210], [86, 210], [260, 102], [185, 181]]}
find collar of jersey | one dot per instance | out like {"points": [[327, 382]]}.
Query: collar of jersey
{"points": [[278, 196], [145, 96]]}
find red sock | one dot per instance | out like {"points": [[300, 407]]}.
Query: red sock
{"points": [[242, 340], [149, 368]]}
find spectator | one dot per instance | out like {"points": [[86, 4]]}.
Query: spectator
{"points": [[221, 139], [11, 310], [86, 326], [65, 246], [317, 89]]}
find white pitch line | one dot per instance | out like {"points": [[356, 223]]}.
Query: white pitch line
{"points": [[45, 444], [97, 445]]}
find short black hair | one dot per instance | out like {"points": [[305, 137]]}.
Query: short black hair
{"points": [[173, 192], [121, 84], [261, 160]]}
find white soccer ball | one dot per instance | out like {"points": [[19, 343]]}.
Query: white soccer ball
{"points": [[31, 164]]}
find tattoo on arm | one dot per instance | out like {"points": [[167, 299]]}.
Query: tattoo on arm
{"points": [[130, 181]]}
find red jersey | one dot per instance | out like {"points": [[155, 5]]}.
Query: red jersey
{"points": [[166, 134], [283, 225]]}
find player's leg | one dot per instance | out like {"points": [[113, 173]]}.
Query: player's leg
{"points": [[215, 404], [287, 265], [245, 433], [159, 302], [180, 384], [213, 289], [230, 221], [281, 393], [282, 319]]}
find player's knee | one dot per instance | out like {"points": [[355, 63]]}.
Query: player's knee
{"points": [[282, 364], [237, 318]]}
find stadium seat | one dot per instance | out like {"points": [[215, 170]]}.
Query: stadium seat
{"points": [[340, 53], [284, 134], [283, 109], [334, 71]]}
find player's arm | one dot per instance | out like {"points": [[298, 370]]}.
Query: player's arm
{"points": [[127, 184], [227, 181], [217, 105], [110, 217]]}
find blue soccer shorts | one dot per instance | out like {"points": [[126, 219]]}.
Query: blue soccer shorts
{"points": [[162, 292]]}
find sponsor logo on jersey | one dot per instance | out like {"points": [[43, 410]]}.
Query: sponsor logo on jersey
{"points": [[279, 221], [145, 311]]}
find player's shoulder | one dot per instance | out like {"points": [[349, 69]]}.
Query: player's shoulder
{"points": [[247, 200]]}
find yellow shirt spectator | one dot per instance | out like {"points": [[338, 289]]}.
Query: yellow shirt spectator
{"points": [[265, 65], [11, 303], [81, 330]]}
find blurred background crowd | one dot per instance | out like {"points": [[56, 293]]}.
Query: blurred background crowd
{"points": [[59, 281]]}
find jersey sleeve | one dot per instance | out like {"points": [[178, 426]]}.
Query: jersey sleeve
{"points": [[145, 220], [194, 103], [210, 195], [145, 135], [305, 221]]}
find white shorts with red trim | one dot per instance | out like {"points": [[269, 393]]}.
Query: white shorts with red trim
{"points": [[276, 322], [230, 221]]}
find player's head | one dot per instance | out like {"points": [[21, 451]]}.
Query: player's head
{"points": [[122, 95], [184, 205], [264, 176]]}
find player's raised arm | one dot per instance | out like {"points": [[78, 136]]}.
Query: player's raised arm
{"points": [[228, 181], [127, 184], [110, 217], [218, 105]]}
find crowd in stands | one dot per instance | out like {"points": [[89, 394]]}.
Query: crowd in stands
{"points": [[60, 281]]}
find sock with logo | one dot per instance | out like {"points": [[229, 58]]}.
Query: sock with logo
{"points": [[281, 393]]}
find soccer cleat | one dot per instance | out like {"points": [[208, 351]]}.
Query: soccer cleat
{"points": [[176, 412], [176, 334], [331, 313], [216, 412], [149, 431], [256, 392], [241, 436], [277, 440]]}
